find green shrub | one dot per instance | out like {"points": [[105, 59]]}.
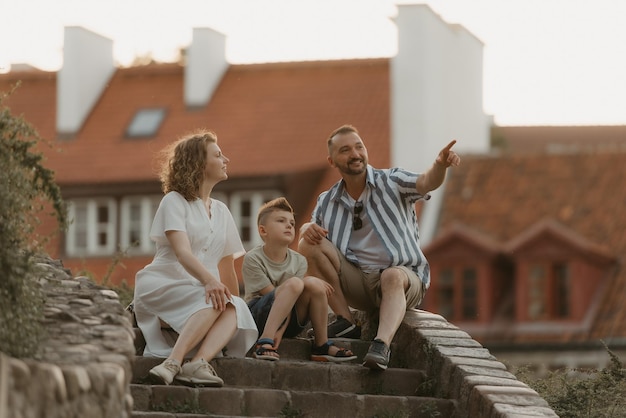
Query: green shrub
{"points": [[26, 186], [583, 393]]}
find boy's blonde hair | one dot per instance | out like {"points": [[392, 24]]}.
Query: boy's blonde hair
{"points": [[278, 204]]}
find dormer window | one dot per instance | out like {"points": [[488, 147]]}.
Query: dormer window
{"points": [[457, 294], [145, 123], [549, 292], [557, 275]]}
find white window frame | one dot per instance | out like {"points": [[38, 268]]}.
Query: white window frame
{"points": [[257, 199], [147, 205], [91, 228]]}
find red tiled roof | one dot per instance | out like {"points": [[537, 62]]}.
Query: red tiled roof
{"points": [[270, 118], [34, 99], [560, 139], [549, 226]]}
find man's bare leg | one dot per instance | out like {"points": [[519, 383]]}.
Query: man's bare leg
{"points": [[393, 283], [323, 262]]}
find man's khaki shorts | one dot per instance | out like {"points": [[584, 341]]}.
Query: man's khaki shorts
{"points": [[362, 290]]}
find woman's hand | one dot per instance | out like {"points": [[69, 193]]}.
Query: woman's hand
{"points": [[215, 291], [217, 294]]}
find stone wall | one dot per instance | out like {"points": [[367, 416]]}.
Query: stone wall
{"points": [[463, 370], [83, 368]]}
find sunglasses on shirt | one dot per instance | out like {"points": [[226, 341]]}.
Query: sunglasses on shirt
{"points": [[357, 222]]}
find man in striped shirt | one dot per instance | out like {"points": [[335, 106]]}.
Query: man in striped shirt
{"points": [[363, 239]]}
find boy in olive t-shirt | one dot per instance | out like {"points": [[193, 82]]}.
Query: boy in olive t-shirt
{"points": [[282, 300]]}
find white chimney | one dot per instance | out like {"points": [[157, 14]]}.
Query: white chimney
{"points": [[205, 66], [436, 96], [87, 68]]}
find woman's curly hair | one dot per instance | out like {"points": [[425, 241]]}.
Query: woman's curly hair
{"points": [[184, 164]]}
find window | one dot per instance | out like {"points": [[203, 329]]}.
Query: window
{"points": [[445, 297], [145, 123], [97, 229], [136, 215], [469, 297], [536, 293], [457, 295], [244, 207], [548, 291], [561, 292], [92, 227]]}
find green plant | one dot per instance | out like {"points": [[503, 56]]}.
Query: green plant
{"points": [[395, 414], [26, 190], [429, 409], [124, 291], [426, 388], [290, 412], [583, 393]]}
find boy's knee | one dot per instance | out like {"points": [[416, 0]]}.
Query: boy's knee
{"points": [[313, 285], [294, 284]]}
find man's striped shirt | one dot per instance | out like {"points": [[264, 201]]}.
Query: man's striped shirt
{"points": [[391, 207]]}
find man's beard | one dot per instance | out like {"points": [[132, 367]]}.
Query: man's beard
{"points": [[347, 170]]}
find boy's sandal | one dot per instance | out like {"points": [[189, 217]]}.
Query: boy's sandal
{"points": [[320, 353], [263, 353]]}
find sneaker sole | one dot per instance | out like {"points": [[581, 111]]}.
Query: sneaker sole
{"points": [[346, 333], [373, 364], [199, 383], [157, 378]]}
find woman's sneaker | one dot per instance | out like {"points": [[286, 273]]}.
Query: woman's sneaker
{"points": [[342, 328], [165, 372], [199, 373]]}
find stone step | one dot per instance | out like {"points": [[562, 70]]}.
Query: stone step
{"points": [[307, 376], [264, 402], [294, 386], [293, 349]]}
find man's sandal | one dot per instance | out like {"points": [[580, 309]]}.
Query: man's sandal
{"points": [[263, 353], [320, 353]]}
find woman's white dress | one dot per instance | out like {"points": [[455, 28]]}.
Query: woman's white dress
{"points": [[164, 290]]}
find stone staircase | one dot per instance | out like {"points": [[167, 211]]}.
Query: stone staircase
{"points": [[293, 387], [436, 370]]}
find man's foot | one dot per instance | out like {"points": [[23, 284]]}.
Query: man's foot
{"points": [[165, 372], [342, 328], [199, 373], [322, 353], [377, 357]]}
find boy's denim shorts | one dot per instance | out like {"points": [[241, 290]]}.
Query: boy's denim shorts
{"points": [[260, 309]]}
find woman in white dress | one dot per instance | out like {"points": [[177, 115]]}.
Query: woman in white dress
{"points": [[191, 284]]}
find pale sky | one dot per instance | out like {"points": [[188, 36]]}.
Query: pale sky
{"points": [[546, 62]]}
